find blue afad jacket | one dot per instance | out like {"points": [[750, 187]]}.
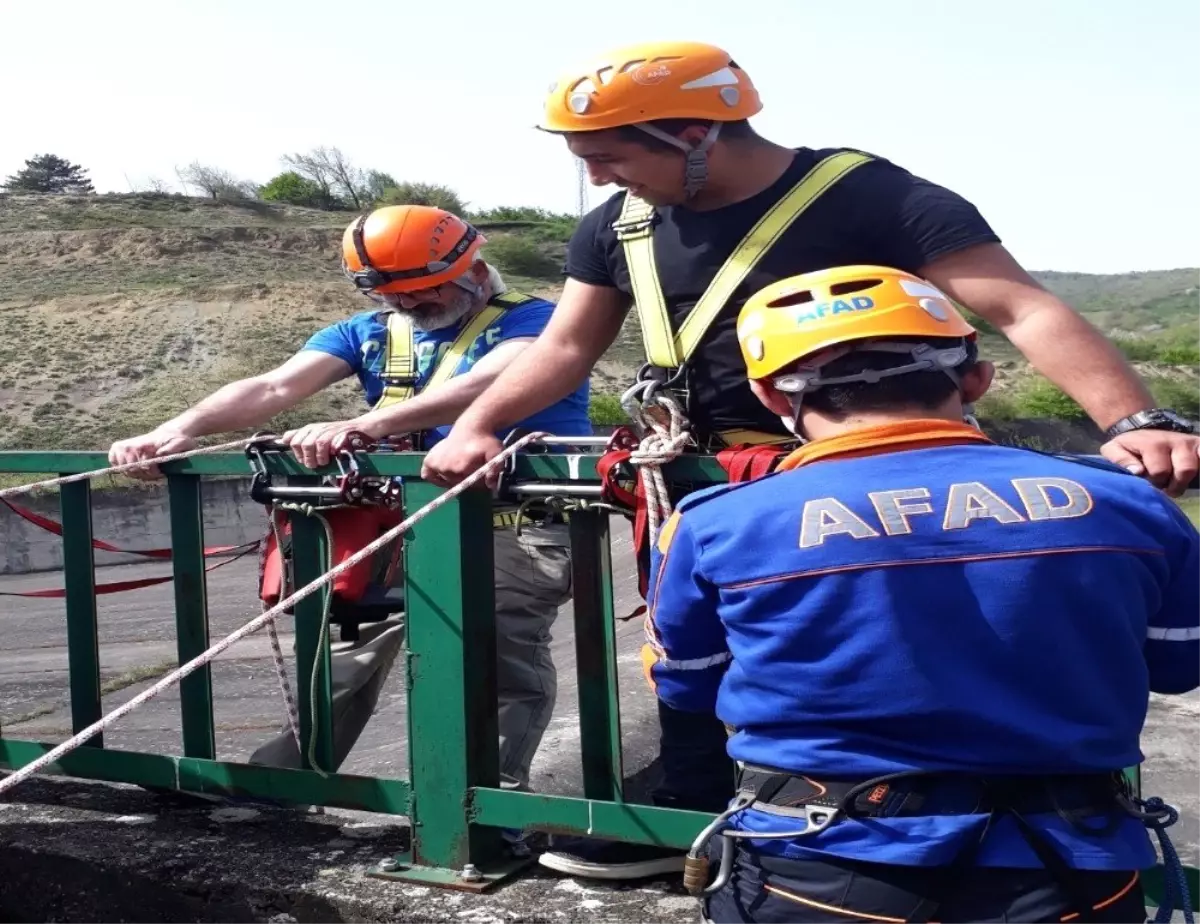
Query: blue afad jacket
{"points": [[919, 598]]}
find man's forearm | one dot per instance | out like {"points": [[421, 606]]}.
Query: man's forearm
{"points": [[1090, 368], [1058, 342], [245, 403], [543, 374], [434, 408]]}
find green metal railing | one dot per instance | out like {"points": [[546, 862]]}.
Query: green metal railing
{"points": [[452, 796]]}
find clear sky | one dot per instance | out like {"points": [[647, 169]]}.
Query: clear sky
{"points": [[1072, 124]]}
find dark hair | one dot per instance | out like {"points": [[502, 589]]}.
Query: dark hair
{"points": [[730, 131], [925, 390]]}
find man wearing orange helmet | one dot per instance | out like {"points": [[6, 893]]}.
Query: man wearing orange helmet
{"points": [[710, 212], [443, 327], [937, 662]]}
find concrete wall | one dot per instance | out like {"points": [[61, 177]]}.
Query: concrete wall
{"points": [[136, 518]]}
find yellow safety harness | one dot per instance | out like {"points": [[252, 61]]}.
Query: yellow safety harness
{"points": [[400, 366], [667, 349]]}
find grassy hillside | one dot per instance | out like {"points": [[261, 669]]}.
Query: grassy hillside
{"points": [[118, 311]]}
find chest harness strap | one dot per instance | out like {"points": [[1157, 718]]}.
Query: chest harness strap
{"points": [[400, 368]]}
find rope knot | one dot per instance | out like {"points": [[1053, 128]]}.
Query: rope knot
{"points": [[665, 439]]}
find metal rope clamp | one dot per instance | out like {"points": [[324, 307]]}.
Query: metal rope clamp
{"points": [[348, 488]]}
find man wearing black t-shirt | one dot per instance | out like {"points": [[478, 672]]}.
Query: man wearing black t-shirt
{"points": [[667, 123]]}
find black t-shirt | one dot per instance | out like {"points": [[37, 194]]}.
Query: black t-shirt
{"points": [[877, 214]]}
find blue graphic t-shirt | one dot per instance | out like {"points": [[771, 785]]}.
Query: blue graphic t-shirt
{"points": [[361, 341]]}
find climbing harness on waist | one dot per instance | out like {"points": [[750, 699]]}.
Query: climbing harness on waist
{"points": [[818, 804]]}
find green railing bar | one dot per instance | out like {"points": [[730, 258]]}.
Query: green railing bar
{"points": [[595, 656], [191, 613], [452, 725], [188, 774], [310, 558], [579, 468], [83, 647], [643, 824]]}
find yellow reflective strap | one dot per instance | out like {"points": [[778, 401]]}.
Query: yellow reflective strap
{"points": [[400, 361], [634, 230], [648, 298], [753, 438], [399, 367], [758, 241], [453, 356]]}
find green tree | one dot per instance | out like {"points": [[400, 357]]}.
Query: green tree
{"points": [[294, 189], [441, 197], [377, 183], [49, 173]]}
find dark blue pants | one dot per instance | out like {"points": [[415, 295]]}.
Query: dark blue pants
{"points": [[772, 889], [697, 772]]}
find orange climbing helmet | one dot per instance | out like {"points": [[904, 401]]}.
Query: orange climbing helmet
{"points": [[659, 80], [817, 317], [405, 248], [656, 80]]}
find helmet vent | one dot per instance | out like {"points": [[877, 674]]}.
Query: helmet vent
{"points": [[855, 285], [791, 298]]}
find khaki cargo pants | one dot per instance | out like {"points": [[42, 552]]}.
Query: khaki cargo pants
{"points": [[533, 579]]}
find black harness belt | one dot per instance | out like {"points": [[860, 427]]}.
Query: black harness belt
{"points": [[1098, 797]]}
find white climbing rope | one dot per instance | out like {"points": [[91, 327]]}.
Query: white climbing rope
{"points": [[663, 442], [123, 467], [266, 618]]}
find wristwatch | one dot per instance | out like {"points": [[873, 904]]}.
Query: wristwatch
{"points": [[1156, 418]]}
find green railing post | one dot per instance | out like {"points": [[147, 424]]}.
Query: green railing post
{"points": [[310, 555], [596, 656], [452, 727], [191, 613], [79, 575]]}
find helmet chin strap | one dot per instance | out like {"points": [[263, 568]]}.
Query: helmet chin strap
{"points": [[923, 357], [695, 167]]}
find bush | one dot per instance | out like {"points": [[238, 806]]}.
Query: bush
{"points": [[1180, 354], [521, 257], [293, 189], [606, 411], [440, 197], [1041, 398]]}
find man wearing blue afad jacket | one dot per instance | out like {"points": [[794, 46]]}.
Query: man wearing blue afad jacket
{"points": [[934, 654]]}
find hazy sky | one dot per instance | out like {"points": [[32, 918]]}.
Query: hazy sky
{"points": [[1072, 124]]}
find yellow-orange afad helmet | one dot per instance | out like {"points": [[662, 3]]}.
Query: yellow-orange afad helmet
{"points": [[656, 80], [803, 316]]}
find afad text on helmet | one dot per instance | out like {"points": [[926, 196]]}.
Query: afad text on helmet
{"points": [[813, 312]]}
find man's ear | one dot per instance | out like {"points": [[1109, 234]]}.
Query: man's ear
{"points": [[479, 272], [772, 398], [693, 134], [977, 381]]}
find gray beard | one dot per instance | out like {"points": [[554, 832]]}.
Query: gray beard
{"points": [[427, 320]]}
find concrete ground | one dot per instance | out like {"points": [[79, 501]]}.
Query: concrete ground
{"points": [[84, 851]]}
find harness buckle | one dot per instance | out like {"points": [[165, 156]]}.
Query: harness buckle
{"points": [[636, 226]]}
